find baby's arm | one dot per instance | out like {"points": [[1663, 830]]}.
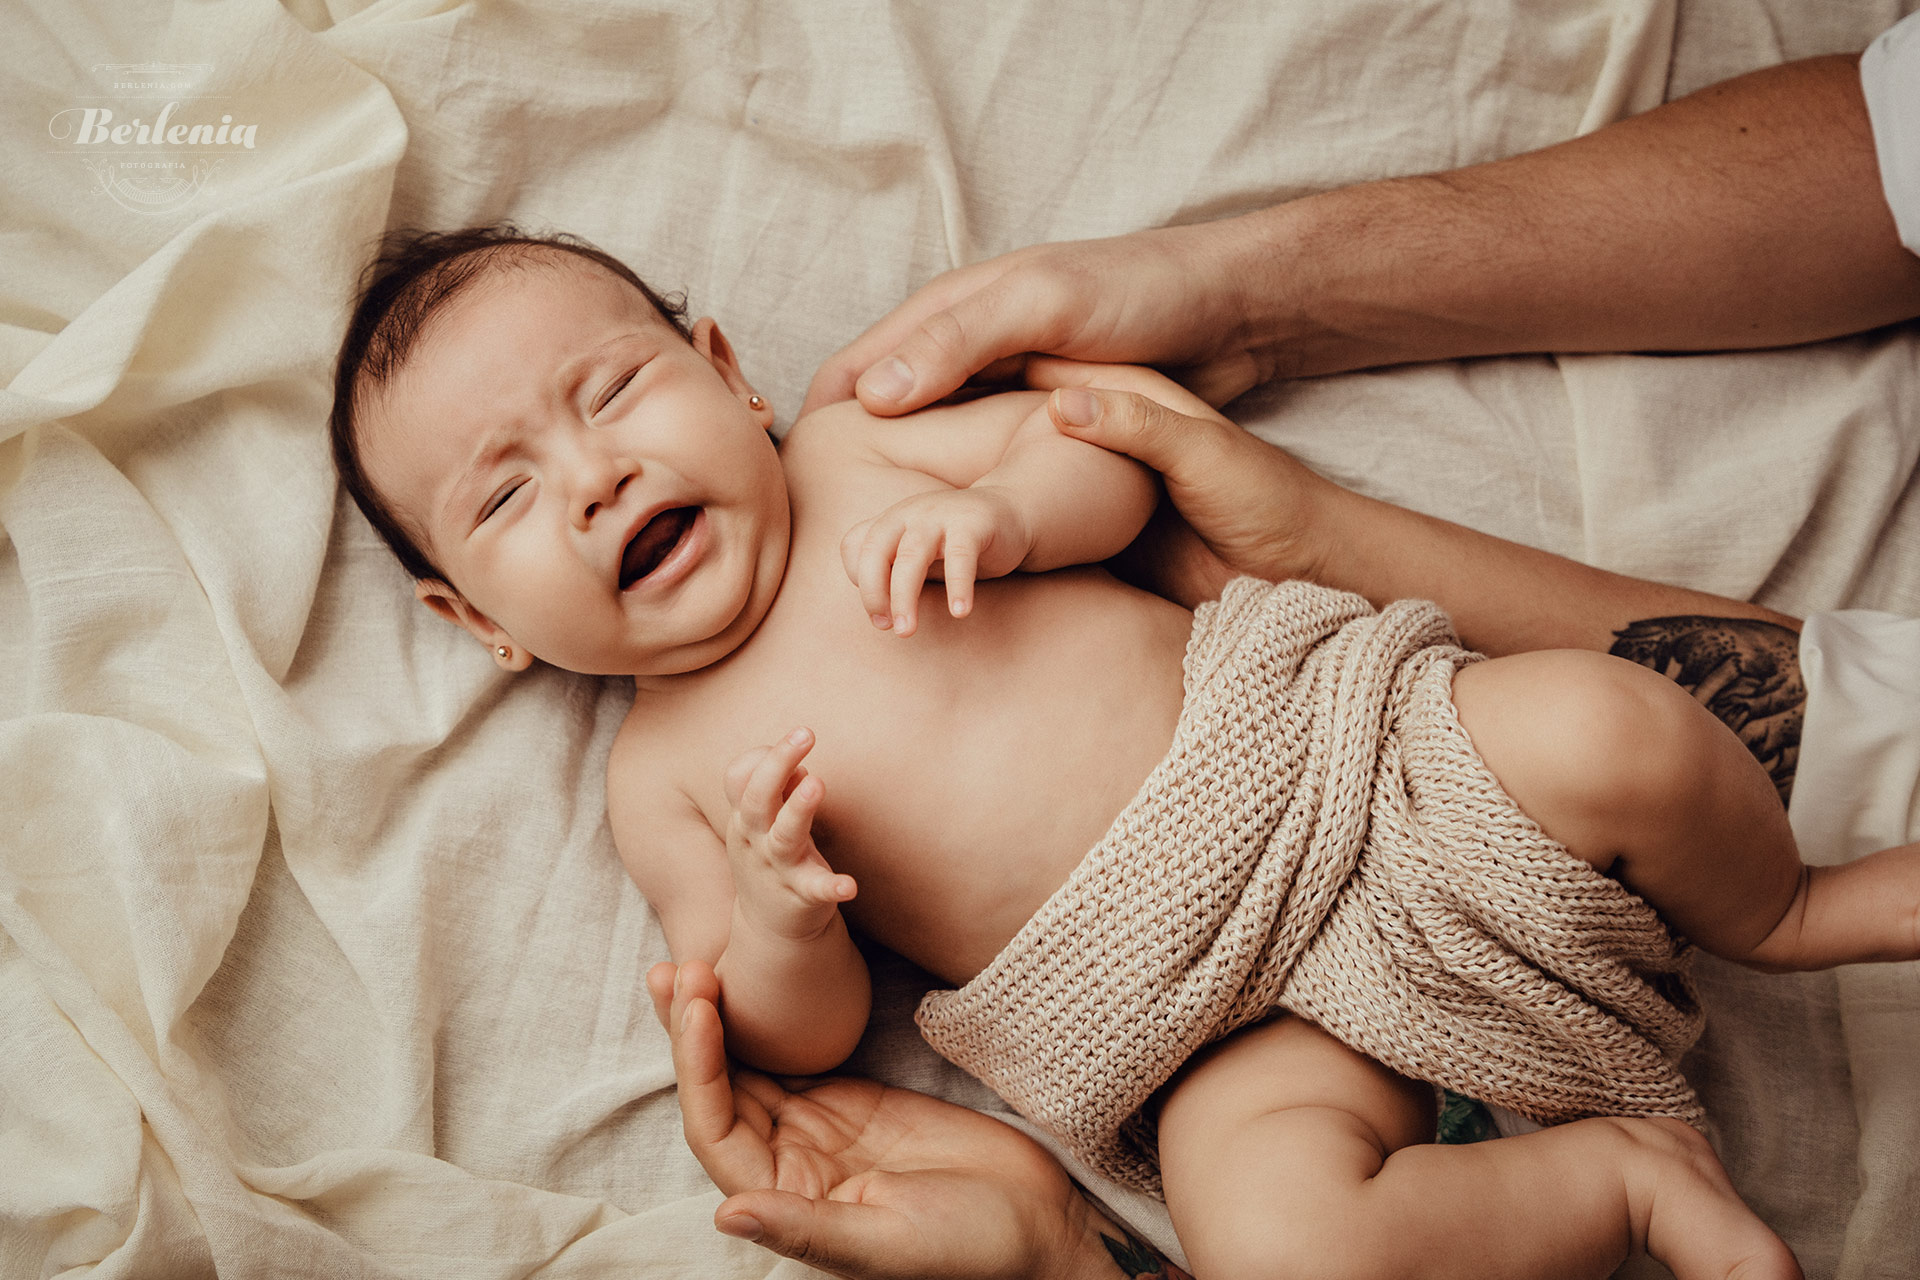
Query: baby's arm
{"points": [[1034, 505], [758, 903]]}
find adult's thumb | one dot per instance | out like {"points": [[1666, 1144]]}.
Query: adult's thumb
{"points": [[863, 1242], [1176, 445]]}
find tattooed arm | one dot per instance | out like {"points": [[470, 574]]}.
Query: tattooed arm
{"points": [[1136, 1258], [1742, 661], [1745, 670]]}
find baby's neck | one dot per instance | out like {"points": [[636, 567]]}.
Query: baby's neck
{"points": [[718, 652]]}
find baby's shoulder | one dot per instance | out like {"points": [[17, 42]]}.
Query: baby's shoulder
{"points": [[844, 427], [657, 806], [653, 736], [649, 764], [967, 436]]}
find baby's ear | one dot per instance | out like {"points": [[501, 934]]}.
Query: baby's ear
{"points": [[451, 605], [713, 344]]}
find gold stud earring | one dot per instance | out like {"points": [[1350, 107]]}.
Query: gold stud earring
{"points": [[505, 653], [755, 403]]}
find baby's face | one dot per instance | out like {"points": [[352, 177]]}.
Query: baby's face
{"points": [[598, 489]]}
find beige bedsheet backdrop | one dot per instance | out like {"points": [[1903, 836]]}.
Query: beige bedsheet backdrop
{"points": [[315, 959]]}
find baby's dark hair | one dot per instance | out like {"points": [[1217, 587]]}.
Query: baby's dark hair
{"points": [[415, 274]]}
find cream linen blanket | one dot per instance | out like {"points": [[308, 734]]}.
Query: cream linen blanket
{"points": [[314, 956]]}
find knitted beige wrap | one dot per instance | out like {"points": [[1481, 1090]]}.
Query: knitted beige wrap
{"points": [[1322, 837]]}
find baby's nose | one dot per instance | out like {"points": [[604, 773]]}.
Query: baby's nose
{"points": [[601, 487]]}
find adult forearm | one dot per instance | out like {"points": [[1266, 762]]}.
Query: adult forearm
{"points": [[1741, 660], [1503, 597], [1749, 214], [1100, 1249], [1251, 508]]}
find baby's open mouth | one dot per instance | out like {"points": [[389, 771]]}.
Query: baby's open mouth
{"points": [[655, 541]]}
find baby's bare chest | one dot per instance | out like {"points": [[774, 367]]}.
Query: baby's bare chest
{"points": [[968, 767]]}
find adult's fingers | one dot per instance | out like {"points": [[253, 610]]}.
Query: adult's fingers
{"points": [[979, 316], [860, 1241], [1224, 378], [733, 1155], [1252, 505], [999, 319], [1193, 453], [836, 377], [1049, 373]]}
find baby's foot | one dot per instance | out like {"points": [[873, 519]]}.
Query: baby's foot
{"points": [[1694, 1221]]}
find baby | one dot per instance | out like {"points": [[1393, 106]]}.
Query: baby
{"points": [[1442, 864]]}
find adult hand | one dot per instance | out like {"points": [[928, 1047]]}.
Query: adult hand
{"points": [[865, 1180], [1165, 297], [1251, 508], [1245, 507], [1760, 197]]}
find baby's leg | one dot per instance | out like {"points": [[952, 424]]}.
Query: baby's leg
{"points": [[1633, 775], [1286, 1154]]}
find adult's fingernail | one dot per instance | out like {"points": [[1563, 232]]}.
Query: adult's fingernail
{"points": [[888, 380], [742, 1226], [1077, 408], [676, 982]]}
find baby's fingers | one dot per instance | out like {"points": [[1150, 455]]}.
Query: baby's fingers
{"points": [[876, 557], [764, 785], [960, 566], [817, 884], [912, 561], [790, 837], [740, 770], [660, 988], [792, 851], [853, 546]]}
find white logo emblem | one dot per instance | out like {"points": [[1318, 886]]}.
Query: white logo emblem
{"points": [[154, 147]]}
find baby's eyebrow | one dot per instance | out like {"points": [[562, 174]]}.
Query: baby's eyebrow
{"points": [[493, 446]]}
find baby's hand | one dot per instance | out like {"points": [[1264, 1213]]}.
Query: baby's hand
{"points": [[968, 533], [781, 884]]}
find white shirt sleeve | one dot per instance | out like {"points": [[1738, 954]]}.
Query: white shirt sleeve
{"points": [[1856, 786], [1890, 75]]}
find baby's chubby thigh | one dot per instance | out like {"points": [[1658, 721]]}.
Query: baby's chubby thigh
{"points": [[1634, 776], [1267, 1140], [1576, 738]]}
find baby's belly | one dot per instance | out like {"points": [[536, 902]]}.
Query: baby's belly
{"points": [[966, 803]]}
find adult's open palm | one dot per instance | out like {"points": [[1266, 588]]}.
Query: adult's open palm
{"points": [[859, 1178]]}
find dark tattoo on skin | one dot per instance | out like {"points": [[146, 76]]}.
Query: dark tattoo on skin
{"points": [[1136, 1258], [1743, 670]]}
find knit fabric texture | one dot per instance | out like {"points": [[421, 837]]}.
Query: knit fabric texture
{"points": [[1322, 838]]}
